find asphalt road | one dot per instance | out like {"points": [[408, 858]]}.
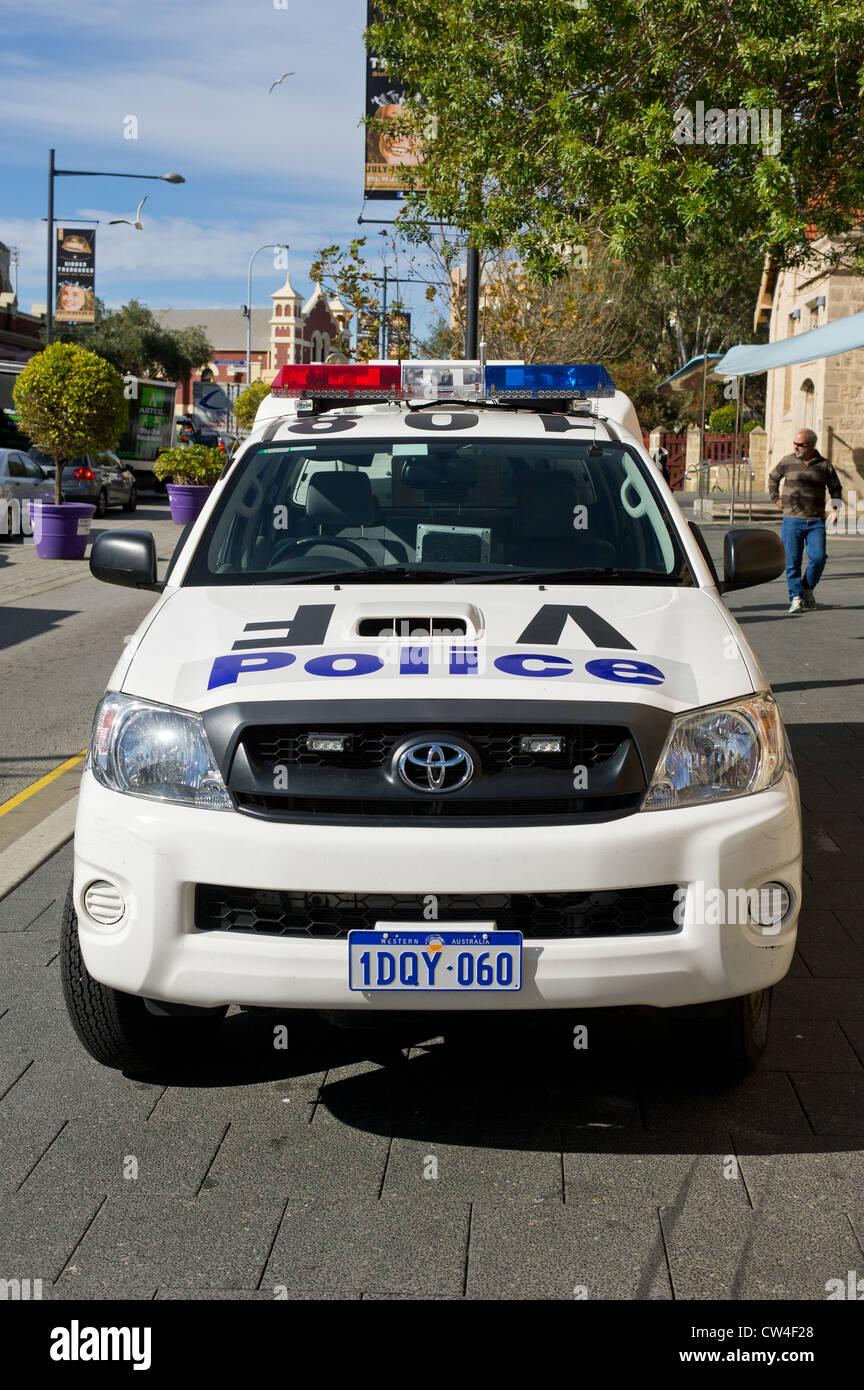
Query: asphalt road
{"points": [[58, 647]]}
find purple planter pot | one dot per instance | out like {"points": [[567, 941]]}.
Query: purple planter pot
{"points": [[186, 501], [61, 533]]}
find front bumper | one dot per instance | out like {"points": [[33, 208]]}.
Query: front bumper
{"points": [[156, 853]]}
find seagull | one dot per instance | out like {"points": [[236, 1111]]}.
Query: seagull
{"points": [[280, 79], [116, 221]]}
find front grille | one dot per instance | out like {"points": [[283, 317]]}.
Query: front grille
{"points": [[586, 745], [557, 916], [437, 808]]}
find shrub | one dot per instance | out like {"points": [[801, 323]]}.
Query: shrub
{"points": [[722, 420], [70, 402], [190, 463], [247, 403]]}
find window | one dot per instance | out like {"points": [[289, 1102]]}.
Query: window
{"points": [[808, 396]]}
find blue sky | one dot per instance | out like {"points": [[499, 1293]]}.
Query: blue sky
{"points": [[259, 167]]}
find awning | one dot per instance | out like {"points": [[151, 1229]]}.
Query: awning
{"points": [[746, 359], [688, 375]]}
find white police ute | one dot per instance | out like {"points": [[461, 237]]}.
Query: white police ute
{"points": [[439, 708]]}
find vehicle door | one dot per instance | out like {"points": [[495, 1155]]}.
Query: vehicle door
{"points": [[113, 478]]}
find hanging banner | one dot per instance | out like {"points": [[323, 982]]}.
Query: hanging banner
{"points": [[74, 294], [398, 333], [385, 154], [368, 335]]}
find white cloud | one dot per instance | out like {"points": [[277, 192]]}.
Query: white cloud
{"points": [[197, 80]]}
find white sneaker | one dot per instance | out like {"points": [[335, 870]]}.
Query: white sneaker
{"points": [[797, 605]]}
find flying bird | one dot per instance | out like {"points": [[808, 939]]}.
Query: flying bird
{"points": [[280, 79], [116, 221]]}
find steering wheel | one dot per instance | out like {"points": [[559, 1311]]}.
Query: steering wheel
{"points": [[300, 544]]}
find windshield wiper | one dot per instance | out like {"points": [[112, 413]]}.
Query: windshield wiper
{"points": [[378, 575], [563, 576]]}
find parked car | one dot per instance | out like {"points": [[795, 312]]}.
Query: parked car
{"points": [[102, 479], [21, 479], [553, 795]]}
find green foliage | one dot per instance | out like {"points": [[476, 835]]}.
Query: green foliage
{"points": [[190, 463], [247, 403], [540, 119], [132, 340], [69, 402], [722, 420]]}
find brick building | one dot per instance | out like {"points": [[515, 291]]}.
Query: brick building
{"points": [[291, 331]]}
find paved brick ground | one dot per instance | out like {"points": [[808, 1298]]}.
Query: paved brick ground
{"points": [[618, 1171]]}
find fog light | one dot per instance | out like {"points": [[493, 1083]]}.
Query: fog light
{"points": [[541, 743], [327, 743], [104, 903], [769, 905]]}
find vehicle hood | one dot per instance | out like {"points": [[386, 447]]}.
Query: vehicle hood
{"points": [[672, 648]]}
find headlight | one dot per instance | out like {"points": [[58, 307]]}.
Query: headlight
{"points": [[713, 754], [147, 750]]}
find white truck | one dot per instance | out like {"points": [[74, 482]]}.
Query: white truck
{"points": [[439, 708]]}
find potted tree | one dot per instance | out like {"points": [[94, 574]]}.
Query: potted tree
{"points": [[193, 470], [69, 402]]}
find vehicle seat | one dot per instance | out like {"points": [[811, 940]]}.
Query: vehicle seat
{"points": [[343, 504], [543, 530]]}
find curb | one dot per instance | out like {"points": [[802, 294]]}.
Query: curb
{"points": [[32, 850]]}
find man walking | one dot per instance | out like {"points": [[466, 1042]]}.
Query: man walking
{"points": [[807, 477]]}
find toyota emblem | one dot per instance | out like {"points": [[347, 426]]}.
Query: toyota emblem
{"points": [[435, 767]]}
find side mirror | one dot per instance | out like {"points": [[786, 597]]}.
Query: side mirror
{"points": [[127, 558], [751, 556]]}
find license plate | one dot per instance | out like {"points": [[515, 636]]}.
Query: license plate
{"points": [[421, 961]]}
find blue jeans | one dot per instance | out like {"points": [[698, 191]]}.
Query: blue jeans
{"points": [[797, 532]]}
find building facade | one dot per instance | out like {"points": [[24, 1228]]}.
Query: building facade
{"points": [[826, 395], [290, 332]]}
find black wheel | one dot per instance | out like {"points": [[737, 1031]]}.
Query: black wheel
{"points": [[731, 1042], [118, 1029], [133, 500], [102, 503]]}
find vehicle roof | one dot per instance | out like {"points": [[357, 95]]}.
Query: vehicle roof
{"points": [[396, 422]]}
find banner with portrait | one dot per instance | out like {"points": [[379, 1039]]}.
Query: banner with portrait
{"points": [[385, 154], [75, 284]]}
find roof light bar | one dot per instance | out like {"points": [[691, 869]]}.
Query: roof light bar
{"points": [[433, 380], [354, 381], [549, 381]]}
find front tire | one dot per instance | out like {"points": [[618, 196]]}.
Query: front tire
{"points": [[117, 1029], [132, 502], [731, 1043]]}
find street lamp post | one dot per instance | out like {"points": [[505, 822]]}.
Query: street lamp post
{"points": [[53, 174], [268, 246]]}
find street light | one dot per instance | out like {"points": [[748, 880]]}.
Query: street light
{"points": [[268, 246], [86, 174]]}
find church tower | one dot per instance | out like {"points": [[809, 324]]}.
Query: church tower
{"points": [[286, 327]]}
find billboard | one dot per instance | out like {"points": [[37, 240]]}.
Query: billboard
{"points": [[385, 154], [74, 293]]}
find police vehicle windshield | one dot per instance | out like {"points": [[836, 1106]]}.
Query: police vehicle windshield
{"points": [[486, 510]]}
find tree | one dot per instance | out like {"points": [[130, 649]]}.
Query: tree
{"points": [[537, 120], [247, 403], [133, 341], [69, 402]]}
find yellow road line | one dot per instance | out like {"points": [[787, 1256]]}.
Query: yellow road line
{"points": [[17, 799]]}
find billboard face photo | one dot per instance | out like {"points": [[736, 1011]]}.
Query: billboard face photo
{"points": [[385, 154], [75, 296]]}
